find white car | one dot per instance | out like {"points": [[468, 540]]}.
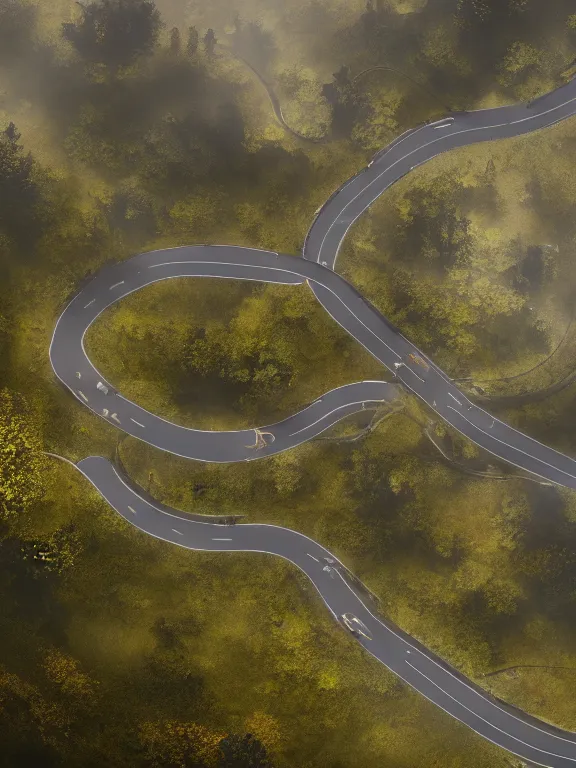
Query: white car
{"points": [[354, 625]]}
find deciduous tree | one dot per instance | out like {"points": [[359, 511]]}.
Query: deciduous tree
{"points": [[21, 461]]}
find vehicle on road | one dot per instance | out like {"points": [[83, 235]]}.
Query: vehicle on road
{"points": [[355, 626], [419, 361]]}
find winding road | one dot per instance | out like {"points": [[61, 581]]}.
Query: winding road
{"points": [[532, 740]]}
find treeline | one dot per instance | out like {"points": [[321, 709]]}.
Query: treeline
{"points": [[121, 133]]}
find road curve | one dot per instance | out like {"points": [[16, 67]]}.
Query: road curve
{"points": [[68, 356], [341, 300], [522, 735]]}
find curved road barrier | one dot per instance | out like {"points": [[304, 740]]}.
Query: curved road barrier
{"points": [[519, 733]]}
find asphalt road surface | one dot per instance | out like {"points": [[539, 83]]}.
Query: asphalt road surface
{"points": [[532, 740]]}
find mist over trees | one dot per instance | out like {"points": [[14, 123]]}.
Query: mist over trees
{"points": [[129, 125], [114, 32]]}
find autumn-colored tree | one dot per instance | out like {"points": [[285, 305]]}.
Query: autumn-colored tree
{"points": [[180, 745], [265, 728], [65, 672], [21, 461]]}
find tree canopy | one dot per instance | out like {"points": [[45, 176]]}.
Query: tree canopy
{"points": [[114, 32]]}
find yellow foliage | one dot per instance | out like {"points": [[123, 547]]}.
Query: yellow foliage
{"points": [[21, 461], [65, 672], [180, 743], [265, 728]]}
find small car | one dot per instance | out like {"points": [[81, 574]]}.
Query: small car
{"points": [[418, 361], [355, 626]]}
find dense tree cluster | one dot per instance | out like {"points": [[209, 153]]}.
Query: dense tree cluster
{"points": [[114, 32], [125, 127], [21, 461]]}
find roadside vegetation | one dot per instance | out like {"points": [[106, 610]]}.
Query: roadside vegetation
{"points": [[128, 127]]}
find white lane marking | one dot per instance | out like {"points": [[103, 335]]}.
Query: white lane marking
{"points": [[414, 372], [455, 717], [456, 133], [178, 532], [312, 556], [198, 522], [454, 398], [221, 539], [90, 302], [524, 436], [408, 134], [357, 318], [388, 629], [116, 285], [443, 120], [132, 510], [137, 422], [522, 121], [325, 416], [492, 703], [513, 447], [216, 245], [443, 123], [228, 264], [83, 396], [483, 695], [509, 735], [499, 456], [246, 431], [190, 429]]}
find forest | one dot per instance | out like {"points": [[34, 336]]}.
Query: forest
{"points": [[133, 125]]}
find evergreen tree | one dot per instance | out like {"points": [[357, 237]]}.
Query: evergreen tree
{"points": [[192, 45], [115, 32], [175, 42], [210, 42]]}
